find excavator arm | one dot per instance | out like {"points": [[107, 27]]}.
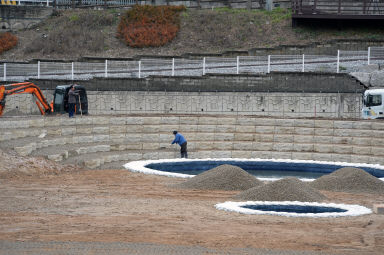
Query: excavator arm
{"points": [[21, 88]]}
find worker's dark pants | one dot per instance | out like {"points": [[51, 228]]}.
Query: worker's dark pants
{"points": [[183, 150], [71, 109]]}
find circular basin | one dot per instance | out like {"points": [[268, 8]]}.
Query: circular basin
{"points": [[294, 209], [263, 169]]}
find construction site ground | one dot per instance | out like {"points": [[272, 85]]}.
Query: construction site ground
{"points": [[47, 208]]}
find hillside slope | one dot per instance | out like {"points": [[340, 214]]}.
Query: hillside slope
{"points": [[70, 34]]}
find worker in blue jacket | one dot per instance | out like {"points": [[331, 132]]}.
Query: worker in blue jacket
{"points": [[180, 140]]}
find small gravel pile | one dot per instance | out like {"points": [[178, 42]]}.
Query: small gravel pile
{"points": [[349, 179], [224, 177], [287, 189]]}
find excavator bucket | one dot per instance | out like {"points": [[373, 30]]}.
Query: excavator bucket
{"points": [[2, 99]]}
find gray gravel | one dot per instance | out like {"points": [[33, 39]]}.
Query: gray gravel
{"points": [[287, 189], [224, 177], [117, 248], [349, 179], [114, 165]]}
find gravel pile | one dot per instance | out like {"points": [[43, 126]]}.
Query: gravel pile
{"points": [[349, 179], [287, 189], [224, 177]]}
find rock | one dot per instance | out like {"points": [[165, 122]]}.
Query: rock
{"points": [[377, 79], [364, 78], [378, 208]]}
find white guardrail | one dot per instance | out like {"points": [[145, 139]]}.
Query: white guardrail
{"points": [[345, 62]]}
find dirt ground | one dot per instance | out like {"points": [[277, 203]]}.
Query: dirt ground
{"points": [[120, 206]]}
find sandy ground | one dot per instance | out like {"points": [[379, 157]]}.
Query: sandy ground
{"points": [[120, 206]]}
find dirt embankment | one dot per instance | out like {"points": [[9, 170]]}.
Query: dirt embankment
{"points": [[119, 206], [71, 34], [41, 200]]}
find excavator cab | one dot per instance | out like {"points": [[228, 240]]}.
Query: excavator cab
{"points": [[60, 99]]}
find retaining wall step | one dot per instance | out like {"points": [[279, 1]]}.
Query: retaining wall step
{"points": [[143, 137], [69, 145], [96, 160], [54, 121]]}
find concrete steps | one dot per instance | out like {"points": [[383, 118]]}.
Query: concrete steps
{"points": [[110, 140], [59, 148]]}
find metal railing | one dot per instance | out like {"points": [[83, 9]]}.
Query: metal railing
{"points": [[343, 62]]}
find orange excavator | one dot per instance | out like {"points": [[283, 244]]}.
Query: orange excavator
{"points": [[21, 88], [60, 97]]}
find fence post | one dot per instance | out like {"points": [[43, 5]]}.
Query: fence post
{"points": [[173, 66], [38, 69], [237, 65], [139, 68], [369, 55], [269, 64], [303, 69], [204, 66], [73, 74], [5, 71], [338, 61], [106, 68]]}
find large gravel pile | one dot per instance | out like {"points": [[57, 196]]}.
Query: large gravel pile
{"points": [[349, 179], [287, 189], [224, 177]]}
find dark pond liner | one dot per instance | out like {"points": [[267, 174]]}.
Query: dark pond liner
{"points": [[195, 167], [294, 208]]}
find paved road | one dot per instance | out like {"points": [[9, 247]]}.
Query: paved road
{"points": [[87, 248]]}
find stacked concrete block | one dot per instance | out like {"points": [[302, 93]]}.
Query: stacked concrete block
{"points": [[105, 139]]}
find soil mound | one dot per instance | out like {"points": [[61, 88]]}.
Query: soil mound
{"points": [[287, 189], [14, 165], [349, 179], [224, 177]]}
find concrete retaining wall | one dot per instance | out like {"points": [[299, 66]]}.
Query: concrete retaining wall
{"points": [[127, 138], [282, 82], [276, 94], [22, 17], [328, 105]]}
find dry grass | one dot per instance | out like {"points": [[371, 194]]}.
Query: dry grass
{"points": [[71, 34]]}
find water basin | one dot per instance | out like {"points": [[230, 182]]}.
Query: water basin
{"points": [[263, 169]]}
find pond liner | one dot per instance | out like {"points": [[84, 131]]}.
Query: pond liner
{"points": [[168, 167], [294, 209]]}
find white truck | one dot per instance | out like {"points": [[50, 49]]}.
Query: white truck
{"points": [[373, 107]]}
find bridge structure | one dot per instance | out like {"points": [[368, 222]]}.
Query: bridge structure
{"points": [[337, 10]]}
